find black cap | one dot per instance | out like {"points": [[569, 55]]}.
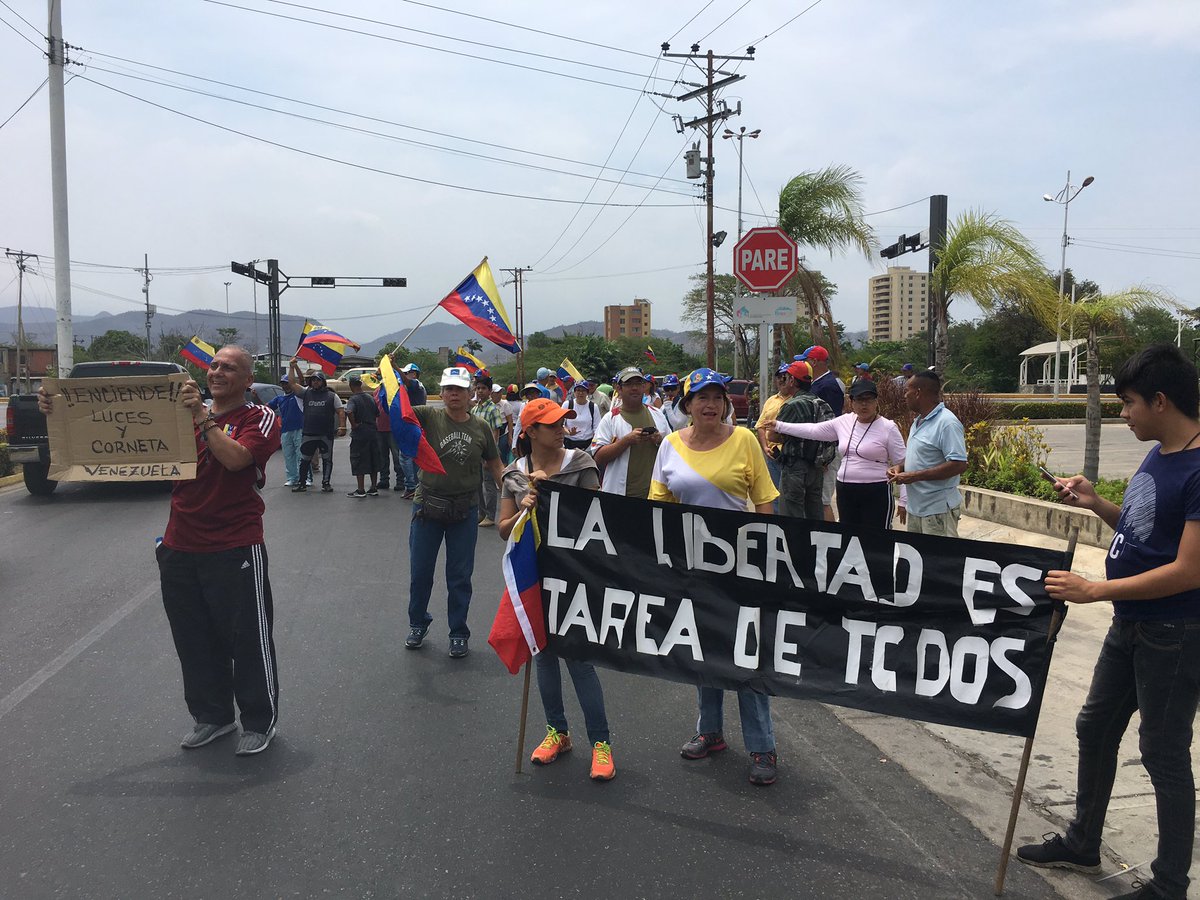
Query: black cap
{"points": [[862, 388]]}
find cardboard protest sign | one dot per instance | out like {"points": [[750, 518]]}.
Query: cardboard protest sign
{"points": [[120, 429], [928, 628]]}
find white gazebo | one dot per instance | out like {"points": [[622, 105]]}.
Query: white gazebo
{"points": [[1074, 349]]}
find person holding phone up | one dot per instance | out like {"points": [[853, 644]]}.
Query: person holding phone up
{"points": [[626, 440]]}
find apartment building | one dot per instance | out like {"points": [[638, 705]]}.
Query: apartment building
{"points": [[897, 304], [627, 321]]}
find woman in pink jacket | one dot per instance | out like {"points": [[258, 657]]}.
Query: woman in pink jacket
{"points": [[868, 444]]}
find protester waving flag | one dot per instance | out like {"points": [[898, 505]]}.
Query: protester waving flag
{"points": [[476, 303], [198, 352], [467, 360], [519, 630], [323, 346], [649, 353], [406, 428], [568, 376]]}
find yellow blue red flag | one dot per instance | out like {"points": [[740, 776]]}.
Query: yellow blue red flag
{"points": [[476, 303]]}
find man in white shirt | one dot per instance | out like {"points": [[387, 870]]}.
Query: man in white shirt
{"points": [[626, 440], [581, 429]]}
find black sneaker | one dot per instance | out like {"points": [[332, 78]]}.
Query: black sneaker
{"points": [[357, 495], [373, 492], [299, 488], [416, 637], [205, 733], [385, 485], [763, 770], [458, 647], [327, 488], [702, 745], [408, 495], [399, 487], [1053, 853], [1141, 891]]}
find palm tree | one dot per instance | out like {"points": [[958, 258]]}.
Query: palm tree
{"points": [[472, 345], [985, 258], [824, 210], [1091, 315]]}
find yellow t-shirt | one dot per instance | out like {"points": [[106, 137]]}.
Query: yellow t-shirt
{"points": [[731, 476], [770, 410]]}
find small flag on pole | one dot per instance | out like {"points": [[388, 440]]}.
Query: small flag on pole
{"points": [[467, 360], [650, 354], [198, 353], [519, 629]]}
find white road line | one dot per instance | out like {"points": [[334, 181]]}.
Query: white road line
{"points": [[52, 668]]}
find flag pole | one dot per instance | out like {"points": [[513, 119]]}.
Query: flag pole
{"points": [[1056, 621], [418, 325], [524, 713]]}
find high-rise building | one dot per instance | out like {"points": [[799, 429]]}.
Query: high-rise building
{"points": [[627, 321], [897, 304]]}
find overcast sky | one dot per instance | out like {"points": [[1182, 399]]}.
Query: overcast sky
{"points": [[989, 103]]}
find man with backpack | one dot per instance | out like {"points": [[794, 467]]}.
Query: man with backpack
{"points": [[802, 462], [587, 416]]}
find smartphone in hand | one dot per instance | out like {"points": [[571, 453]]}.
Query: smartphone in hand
{"points": [[1053, 479], [648, 430]]}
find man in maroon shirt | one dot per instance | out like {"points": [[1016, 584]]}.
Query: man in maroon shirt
{"points": [[213, 564]]}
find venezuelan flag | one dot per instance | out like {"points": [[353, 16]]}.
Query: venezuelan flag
{"points": [[476, 303], [519, 629], [323, 346], [406, 428], [568, 375], [649, 354], [198, 352], [467, 360]]}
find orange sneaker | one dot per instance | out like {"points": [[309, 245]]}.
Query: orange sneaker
{"points": [[547, 751], [603, 768]]}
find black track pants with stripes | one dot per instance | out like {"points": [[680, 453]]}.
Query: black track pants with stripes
{"points": [[219, 607]]}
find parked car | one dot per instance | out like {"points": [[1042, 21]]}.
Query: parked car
{"points": [[28, 438], [262, 393], [341, 384], [739, 395]]}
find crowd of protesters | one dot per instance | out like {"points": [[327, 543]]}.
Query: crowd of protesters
{"points": [[675, 440]]}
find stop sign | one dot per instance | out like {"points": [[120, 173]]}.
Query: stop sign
{"points": [[764, 259]]}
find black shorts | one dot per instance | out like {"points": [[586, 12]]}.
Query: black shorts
{"points": [[365, 458]]}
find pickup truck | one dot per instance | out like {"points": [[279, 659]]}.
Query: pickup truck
{"points": [[28, 441]]}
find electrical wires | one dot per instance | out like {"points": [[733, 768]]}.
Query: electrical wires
{"points": [[26, 103]]}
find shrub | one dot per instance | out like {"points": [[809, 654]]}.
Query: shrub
{"points": [[1041, 409], [6, 466]]}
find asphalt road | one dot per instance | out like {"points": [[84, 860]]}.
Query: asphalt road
{"points": [[1120, 452], [392, 775]]}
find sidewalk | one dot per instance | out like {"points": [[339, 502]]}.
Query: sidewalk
{"points": [[974, 772]]}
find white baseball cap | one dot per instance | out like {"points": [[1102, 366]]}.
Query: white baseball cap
{"points": [[456, 376]]}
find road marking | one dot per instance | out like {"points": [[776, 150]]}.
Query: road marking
{"points": [[52, 668]]}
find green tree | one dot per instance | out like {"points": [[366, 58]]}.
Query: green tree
{"points": [[985, 258], [472, 345], [727, 290], [1091, 316], [116, 344], [824, 210], [229, 335]]}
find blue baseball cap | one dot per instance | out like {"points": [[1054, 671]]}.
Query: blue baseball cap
{"points": [[702, 378], [671, 380], [543, 373]]}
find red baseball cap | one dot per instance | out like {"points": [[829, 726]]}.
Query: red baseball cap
{"points": [[820, 354], [801, 371]]}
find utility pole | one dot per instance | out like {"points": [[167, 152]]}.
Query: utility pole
{"points": [[715, 111], [20, 256], [57, 56], [277, 282], [518, 274], [146, 290]]}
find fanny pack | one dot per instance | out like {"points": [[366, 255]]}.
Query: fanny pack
{"points": [[446, 510]]}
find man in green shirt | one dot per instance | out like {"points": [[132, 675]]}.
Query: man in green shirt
{"points": [[626, 440], [446, 509]]}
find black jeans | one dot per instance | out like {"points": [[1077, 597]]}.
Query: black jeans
{"points": [[1152, 667]]}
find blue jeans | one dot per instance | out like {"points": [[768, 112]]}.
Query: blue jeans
{"points": [[587, 689], [1152, 667], [776, 472], [409, 466], [424, 541], [755, 709], [290, 440]]}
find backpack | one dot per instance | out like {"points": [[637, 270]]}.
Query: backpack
{"points": [[806, 408]]}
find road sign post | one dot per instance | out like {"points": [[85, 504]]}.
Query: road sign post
{"points": [[764, 260]]}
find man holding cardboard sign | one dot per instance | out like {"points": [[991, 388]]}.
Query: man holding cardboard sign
{"points": [[213, 565]]}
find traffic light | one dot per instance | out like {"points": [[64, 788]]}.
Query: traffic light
{"points": [[395, 282], [906, 243], [250, 271]]}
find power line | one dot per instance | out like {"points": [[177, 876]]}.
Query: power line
{"points": [[364, 117], [27, 99], [690, 21], [469, 16], [783, 26], [361, 166], [1141, 251], [366, 131], [723, 21], [617, 274], [471, 56], [23, 37], [880, 212], [36, 30]]}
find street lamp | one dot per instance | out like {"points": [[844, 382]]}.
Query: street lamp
{"points": [[741, 134], [1065, 196], [227, 284]]}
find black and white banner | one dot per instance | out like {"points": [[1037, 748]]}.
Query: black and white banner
{"points": [[930, 628]]}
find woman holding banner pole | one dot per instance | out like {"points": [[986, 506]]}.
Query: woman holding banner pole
{"points": [[867, 444], [714, 464], [541, 455]]}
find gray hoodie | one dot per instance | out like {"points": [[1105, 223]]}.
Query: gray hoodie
{"points": [[578, 469]]}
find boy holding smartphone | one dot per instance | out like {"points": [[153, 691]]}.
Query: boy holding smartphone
{"points": [[1150, 660]]}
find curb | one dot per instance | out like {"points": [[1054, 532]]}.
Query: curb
{"points": [[1031, 514], [11, 479]]}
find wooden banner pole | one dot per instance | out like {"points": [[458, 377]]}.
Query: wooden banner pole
{"points": [[524, 713], [1056, 621]]}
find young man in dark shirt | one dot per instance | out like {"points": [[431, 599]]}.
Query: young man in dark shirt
{"points": [[1150, 660]]}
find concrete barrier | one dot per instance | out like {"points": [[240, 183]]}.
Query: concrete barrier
{"points": [[1040, 516]]}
